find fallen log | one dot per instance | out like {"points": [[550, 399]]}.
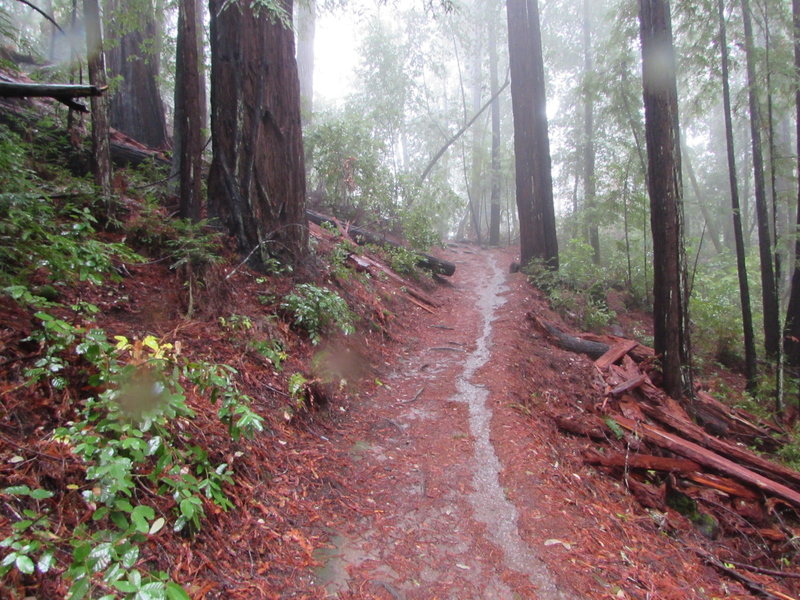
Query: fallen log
{"points": [[57, 91], [641, 461], [709, 459], [697, 435], [614, 353], [364, 236], [589, 426], [569, 342]]}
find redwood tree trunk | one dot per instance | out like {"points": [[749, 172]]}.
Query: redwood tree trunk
{"points": [[791, 333], [531, 142], [189, 110], [136, 107], [101, 146], [664, 181], [256, 184], [738, 235], [769, 290]]}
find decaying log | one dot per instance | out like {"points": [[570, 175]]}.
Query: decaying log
{"points": [[364, 236], [588, 426], [641, 461], [648, 496], [568, 342], [614, 353], [61, 92], [709, 459], [367, 263], [722, 484], [696, 434]]}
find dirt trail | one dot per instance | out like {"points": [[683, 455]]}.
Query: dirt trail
{"points": [[424, 460]]}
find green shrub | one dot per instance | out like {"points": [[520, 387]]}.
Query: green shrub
{"points": [[125, 435], [317, 310]]}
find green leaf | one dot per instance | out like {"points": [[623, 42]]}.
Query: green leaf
{"points": [[41, 494], [46, 561], [101, 554], [24, 564], [140, 517], [130, 557], [157, 525], [17, 490], [176, 592], [79, 589]]}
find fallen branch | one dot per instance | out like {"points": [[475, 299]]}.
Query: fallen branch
{"points": [[751, 585], [364, 236], [709, 459]]}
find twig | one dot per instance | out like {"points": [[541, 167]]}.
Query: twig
{"points": [[756, 569], [416, 396], [445, 348], [751, 585]]}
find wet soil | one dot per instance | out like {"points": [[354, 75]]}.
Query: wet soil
{"points": [[459, 485]]}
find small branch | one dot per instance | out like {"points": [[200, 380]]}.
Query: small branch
{"points": [[45, 15]]}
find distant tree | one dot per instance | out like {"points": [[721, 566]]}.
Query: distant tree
{"points": [[136, 106], [670, 295], [306, 24], [769, 290], [256, 184], [494, 82], [190, 109], [589, 152], [531, 140], [741, 264], [101, 146]]}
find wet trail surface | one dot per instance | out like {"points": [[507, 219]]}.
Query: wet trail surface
{"points": [[439, 523]]}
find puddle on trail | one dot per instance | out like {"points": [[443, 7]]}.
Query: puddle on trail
{"points": [[488, 500]]}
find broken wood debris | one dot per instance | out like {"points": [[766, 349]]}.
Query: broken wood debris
{"points": [[651, 442]]}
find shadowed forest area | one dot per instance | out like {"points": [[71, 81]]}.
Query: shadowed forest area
{"points": [[399, 299]]}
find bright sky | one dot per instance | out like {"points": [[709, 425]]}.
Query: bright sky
{"points": [[335, 48]]}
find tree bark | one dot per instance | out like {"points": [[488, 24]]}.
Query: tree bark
{"points": [[101, 152], [256, 183], [769, 291], [791, 331], [189, 111], [670, 296], [136, 108], [534, 180], [741, 264]]}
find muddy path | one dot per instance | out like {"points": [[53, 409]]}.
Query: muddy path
{"points": [[436, 521]]}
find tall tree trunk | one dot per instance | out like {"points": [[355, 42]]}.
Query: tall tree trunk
{"points": [[101, 146], [589, 182], [136, 108], [769, 291], [791, 332], [534, 178], [256, 184], [494, 217], [189, 110], [711, 223], [306, 25], [741, 264], [670, 297]]}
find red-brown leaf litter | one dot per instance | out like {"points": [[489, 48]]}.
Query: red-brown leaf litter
{"points": [[428, 465]]}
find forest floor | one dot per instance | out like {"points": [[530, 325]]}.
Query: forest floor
{"points": [[459, 484], [436, 472]]}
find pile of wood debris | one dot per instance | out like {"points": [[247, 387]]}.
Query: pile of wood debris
{"points": [[669, 462]]}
